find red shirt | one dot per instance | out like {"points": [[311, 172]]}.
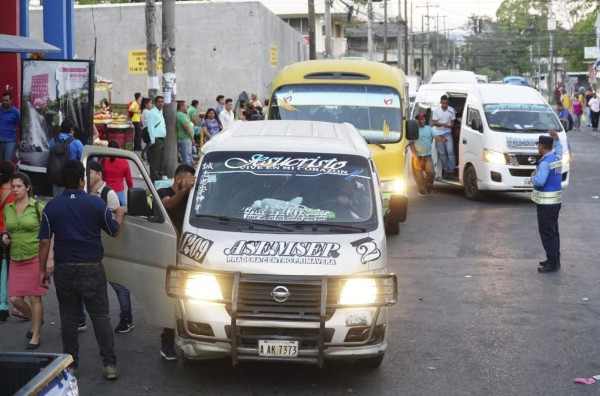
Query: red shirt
{"points": [[115, 172], [3, 205]]}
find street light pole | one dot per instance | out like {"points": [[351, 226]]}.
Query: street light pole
{"points": [[312, 49], [551, 29], [328, 40], [370, 30]]}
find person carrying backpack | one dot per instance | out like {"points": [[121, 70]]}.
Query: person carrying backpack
{"points": [[62, 148]]}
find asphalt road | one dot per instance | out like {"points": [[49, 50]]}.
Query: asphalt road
{"points": [[474, 317]]}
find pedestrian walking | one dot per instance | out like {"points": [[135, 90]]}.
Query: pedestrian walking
{"points": [[595, 110], [99, 188], [10, 119], [62, 148], [185, 133], [22, 225], [547, 194], [157, 129], [7, 170], [75, 220], [174, 200], [589, 94], [135, 109], [443, 117], [115, 170], [422, 164], [577, 112]]}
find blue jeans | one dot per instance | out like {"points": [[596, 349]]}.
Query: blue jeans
{"points": [[446, 152], [7, 150], [122, 198], [124, 298], [185, 150]]}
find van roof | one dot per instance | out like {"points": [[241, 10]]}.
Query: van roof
{"points": [[346, 71], [290, 136], [453, 76], [487, 93]]}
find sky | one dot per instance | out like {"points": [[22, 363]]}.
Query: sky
{"points": [[457, 12]]}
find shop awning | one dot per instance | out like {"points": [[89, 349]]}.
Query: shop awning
{"points": [[9, 43]]}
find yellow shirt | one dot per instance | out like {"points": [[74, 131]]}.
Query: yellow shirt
{"points": [[566, 100], [135, 109]]}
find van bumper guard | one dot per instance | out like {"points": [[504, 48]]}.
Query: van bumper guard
{"points": [[312, 301]]}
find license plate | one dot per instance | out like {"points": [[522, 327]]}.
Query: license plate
{"points": [[527, 182], [277, 348]]}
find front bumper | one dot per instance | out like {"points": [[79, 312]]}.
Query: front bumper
{"points": [[207, 330], [497, 177]]}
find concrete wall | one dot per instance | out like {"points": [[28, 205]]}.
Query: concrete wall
{"points": [[222, 48]]}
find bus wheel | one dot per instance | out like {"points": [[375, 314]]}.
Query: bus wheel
{"points": [[470, 184], [392, 228]]}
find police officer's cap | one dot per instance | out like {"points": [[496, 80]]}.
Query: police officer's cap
{"points": [[546, 141]]}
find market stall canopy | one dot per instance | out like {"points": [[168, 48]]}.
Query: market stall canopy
{"points": [[9, 43]]}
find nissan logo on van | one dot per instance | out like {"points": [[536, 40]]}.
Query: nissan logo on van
{"points": [[280, 294], [532, 160]]}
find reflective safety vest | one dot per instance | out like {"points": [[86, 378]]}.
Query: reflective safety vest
{"points": [[551, 192]]}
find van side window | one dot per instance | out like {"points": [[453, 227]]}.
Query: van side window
{"points": [[472, 114]]}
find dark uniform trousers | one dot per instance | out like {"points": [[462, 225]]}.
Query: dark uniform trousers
{"points": [[547, 216]]}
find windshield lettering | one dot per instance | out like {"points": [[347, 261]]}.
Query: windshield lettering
{"points": [[284, 249], [260, 161]]}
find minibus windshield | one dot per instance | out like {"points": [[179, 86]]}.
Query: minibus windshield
{"points": [[284, 189], [376, 111], [521, 117]]}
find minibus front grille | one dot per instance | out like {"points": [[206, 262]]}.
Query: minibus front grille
{"points": [[527, 159]]}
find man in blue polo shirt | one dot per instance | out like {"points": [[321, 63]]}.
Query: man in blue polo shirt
{"points": [[10, 119], [75, 220]]}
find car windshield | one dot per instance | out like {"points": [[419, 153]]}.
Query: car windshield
{"points": [[375, 111], [272, 188], [521, 118]]}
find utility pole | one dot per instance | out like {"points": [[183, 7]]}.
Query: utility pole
{"points": [[406, 66], [328, 39], [370, 30], [412, 39], [551, 29], [385, 32], [151, 49], [169, 86], [312, 49], [399, 35]]}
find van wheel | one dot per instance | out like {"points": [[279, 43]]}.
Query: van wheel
{"points": [[372, 363], [470, 184], [392, 228]]}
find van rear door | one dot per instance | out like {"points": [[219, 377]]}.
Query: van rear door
{"points": [[139, 256]]}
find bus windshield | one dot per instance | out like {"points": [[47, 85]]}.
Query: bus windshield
{"points": [[376, 111], [521, 117]]}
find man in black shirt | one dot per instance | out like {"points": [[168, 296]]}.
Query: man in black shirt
{"points": [[175, 199]]}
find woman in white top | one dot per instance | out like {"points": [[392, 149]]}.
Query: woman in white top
{"points": [[146, 105]]}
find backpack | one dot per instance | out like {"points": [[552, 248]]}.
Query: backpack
{"points": [[104, 193], [60, 153], [129, 113]]}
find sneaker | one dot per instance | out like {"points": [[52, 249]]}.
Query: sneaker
{"points": [[125, 325], [3, 316], [110, 371], [422, 194], [81, 326], [168, 353]]}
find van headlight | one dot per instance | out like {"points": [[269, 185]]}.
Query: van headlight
{"points": [[203, 287], [393, 186], [494, 157], [359, 291], [566, 158]]}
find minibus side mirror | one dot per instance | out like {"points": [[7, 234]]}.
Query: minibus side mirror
{"points": [[137, 203], [397, 208], [412, 129], [476, 124]]}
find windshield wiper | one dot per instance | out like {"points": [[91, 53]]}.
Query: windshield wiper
{"points": [[316, 225], [227, 219]]}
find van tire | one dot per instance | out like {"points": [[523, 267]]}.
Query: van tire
{"points": [[372, 362], [392, 228], [470, 184]]}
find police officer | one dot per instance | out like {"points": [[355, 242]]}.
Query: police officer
{"points": [[547, 194]]}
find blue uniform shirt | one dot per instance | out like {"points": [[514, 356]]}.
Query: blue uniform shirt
{"points": [[75, 219], [9, 120], [543, 168], [75, 148]]}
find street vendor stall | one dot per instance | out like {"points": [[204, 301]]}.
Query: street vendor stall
{"points": [[112, 126]]}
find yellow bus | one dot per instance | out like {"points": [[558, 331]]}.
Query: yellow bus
{"points": [[369, 95]]}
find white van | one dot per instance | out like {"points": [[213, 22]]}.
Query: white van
{"points": [[453, 76], [499, 127], [282, 256]]}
